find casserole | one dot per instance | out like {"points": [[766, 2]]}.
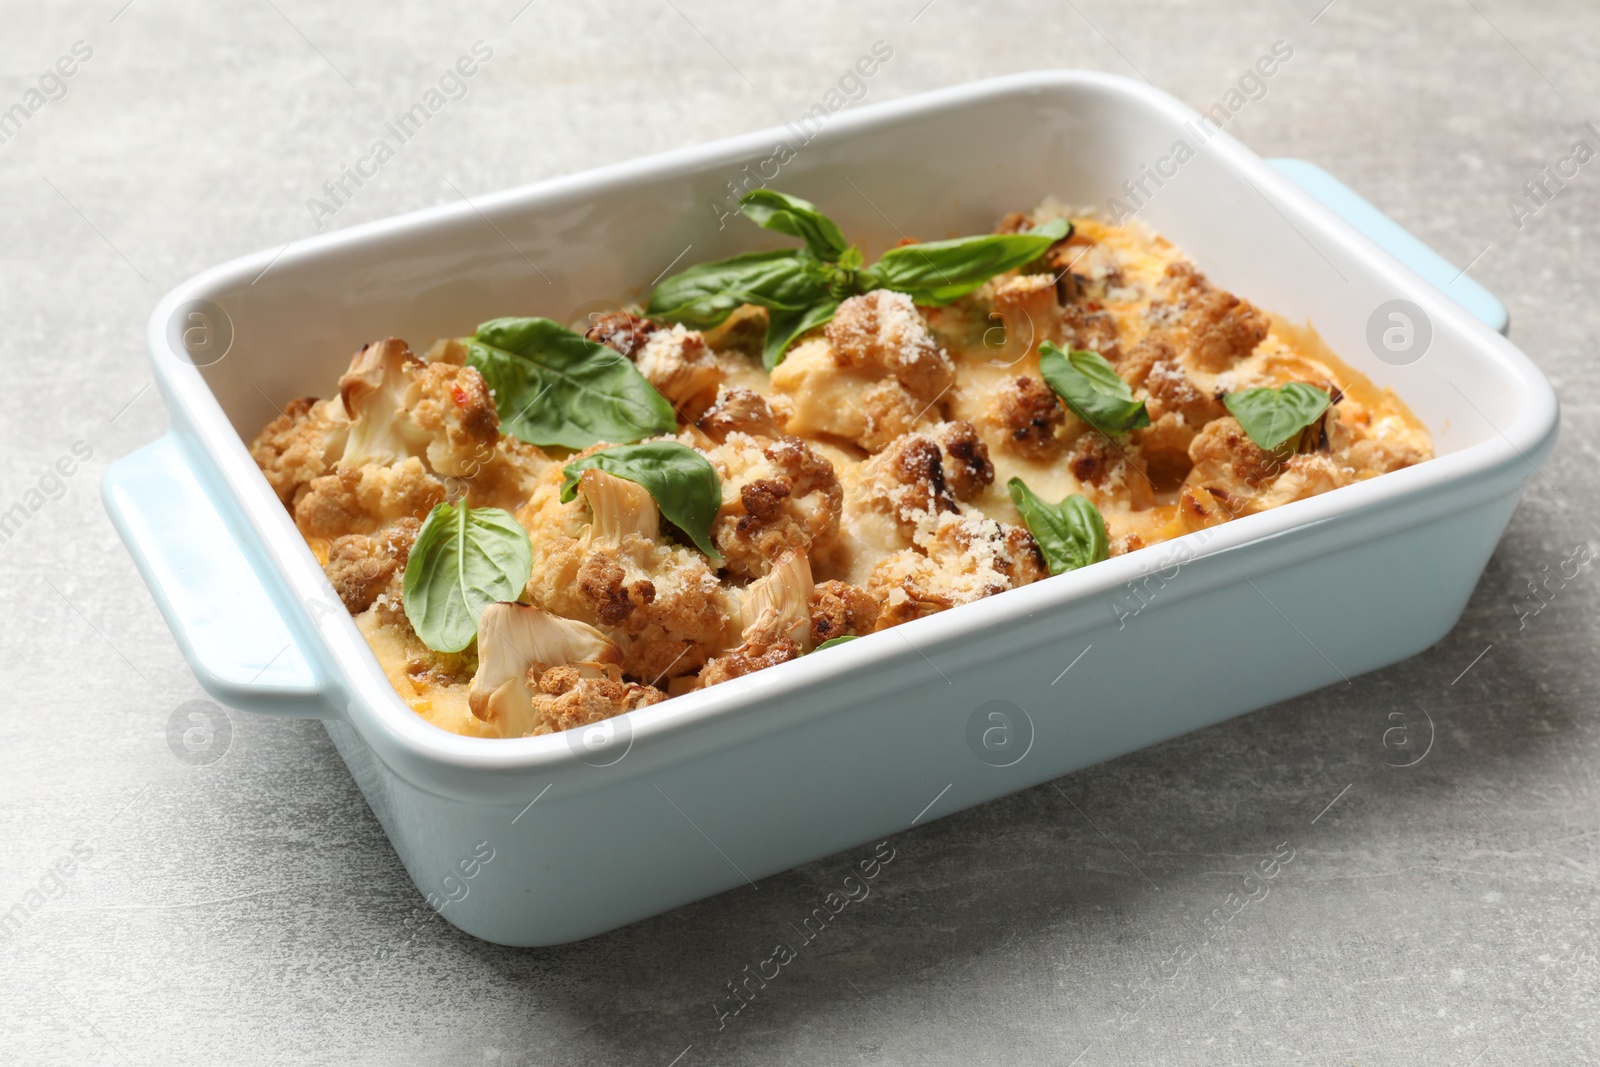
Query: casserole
{"points": [[590, 829]]}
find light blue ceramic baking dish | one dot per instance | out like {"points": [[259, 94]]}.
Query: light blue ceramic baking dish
{"points": [[543, 840]]}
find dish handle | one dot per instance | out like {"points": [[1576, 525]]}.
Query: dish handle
{"points": [[191, 555]]}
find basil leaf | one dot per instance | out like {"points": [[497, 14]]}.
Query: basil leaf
{"points": [[463, 560], [784, 326], [1092, 389], [685, 485], [773, 210], [1071, 534], [701, 297], [1272, 417], [939, 272], [832, 641], [554, 387]]}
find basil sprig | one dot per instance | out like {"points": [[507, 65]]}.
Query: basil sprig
{"points": [[1071, 534], [463, 560], [1093, 390], [801, 288], [1274, 417], [773, 210], [685, 485], [555, 387], [940, 272]]}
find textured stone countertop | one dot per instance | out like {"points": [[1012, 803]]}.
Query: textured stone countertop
{"points": [[251, 911]]}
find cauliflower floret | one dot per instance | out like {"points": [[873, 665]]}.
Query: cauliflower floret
{"points": [[887, 499], [1178, 405], [1028, 414], [678, 362], [777, 496], [775, 621], [539, 674], [564, 698], [360, 566], [905, 482], [883, 331], [853, 403], [1111, 474], [301, 444], [961, 559], [739, 410], [400, 406], [967, 469], [1213, 329], [621, 330], [598, 558], [878, 373], [1093, 331], [366, 498], [838, 608], [1234, 476]]}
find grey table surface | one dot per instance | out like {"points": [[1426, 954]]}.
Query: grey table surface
{"points": [[251, 911]]}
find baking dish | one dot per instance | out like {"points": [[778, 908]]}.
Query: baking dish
{"points": [[542, 840]]}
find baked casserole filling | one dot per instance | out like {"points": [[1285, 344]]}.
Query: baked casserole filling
{"points": [[537, 528]]}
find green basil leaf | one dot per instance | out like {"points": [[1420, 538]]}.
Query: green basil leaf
{"points": [[784, 326], [832, 641], [463, 560], [1092, 389], [773, 210], [555, 387], [939, 272], [703, 296], [1071, 534], [685, 485], [1274, 416]]}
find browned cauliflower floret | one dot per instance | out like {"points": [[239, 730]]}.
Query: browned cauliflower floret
{"points": [[777, 496], [564, 698], [962, 559], [967, 469], [1094, 331], [882, 330], [301, 444], [1233, 472], [838, 608], [400, 406], [682, 367], [739, 410], [366, 498], [877, 373], [1179, 407], [775, 621], [600, 559], [360, 566], [1215, 328], [621, 330], [1111, 473], [906, 483], [853, 403], [1028, 414], [538, 673]]}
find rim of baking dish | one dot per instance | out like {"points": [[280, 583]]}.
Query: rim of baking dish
{"points": [[348, 668]]}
